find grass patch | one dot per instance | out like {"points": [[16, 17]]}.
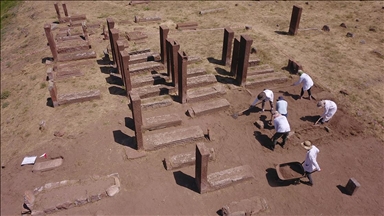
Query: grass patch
{"points": [[4, 105], [43, 85], [5, 94], [6, 5]]}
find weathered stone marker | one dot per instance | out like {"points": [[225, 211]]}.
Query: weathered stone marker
{"points": [[201, 167], [295, 20], [51, 41], [65, 9], [229, 34], [120, 47], [235, 56], [172, 64], [114, 37], [57, 11], [125, 71], [182, 73], [164, 30], [242, 68], [352, 186], [137, 119], [293, 66], [111, 25], [53, 93]]}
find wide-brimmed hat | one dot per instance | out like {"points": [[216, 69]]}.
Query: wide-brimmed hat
{"points": [[306, 144], [300, 72], [280, 98], [321, 104]]}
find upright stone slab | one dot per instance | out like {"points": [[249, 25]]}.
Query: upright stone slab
{"points": [[295, 20], [125, 71], [201, 167], [235, 56], [114, 37], [137, 119], [120, 47], [174, 63], [51, 40], [163, 37], [53, 93], [182, 85], [229, 34], [242, 68], [57, 12], [352, 186], [65, 10], [168, 44]]}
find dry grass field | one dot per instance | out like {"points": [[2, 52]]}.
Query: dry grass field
{"points": [[335, 62]]}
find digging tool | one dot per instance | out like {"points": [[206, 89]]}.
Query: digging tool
{"points": [[318, 120], [235, 115]]}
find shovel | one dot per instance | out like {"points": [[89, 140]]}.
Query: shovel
{"points": [[317, 121], [235, 115]]}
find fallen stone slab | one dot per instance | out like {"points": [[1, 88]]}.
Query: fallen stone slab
{"points": [[72, 18], [135, 35], [260, 69], [185, 159], [139, 2], [156, 102], [192, 72], [253, 62], [139, 81], [251, 206], [64, 65], [162, 121], [211, 11], [143, 57], [146, 19], [47, 165], [186, 25], [57, 196], [76, 56], [200, 81], [257, 80], [177, 136], [146, 67], [139, 51], [134, 154], [155, 90], [205, 93], [78, 97], [69, 38], [208, 107], [228, 177], [193, 59], [72, 46]]}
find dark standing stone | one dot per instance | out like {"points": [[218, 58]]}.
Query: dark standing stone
{"points": [[163, 37], [137, 119], [349, 34], [295, 20], [235, 56], [201, 167], [182, 84], [227, 46], [352, 186], [245, 50], [343, 25], [325, 28]]}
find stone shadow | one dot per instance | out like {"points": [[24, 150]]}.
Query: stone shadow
{"points": [[310, 118], [225, 80], [185, 180], [214, 61], [129, 123], [342, 189], [282, 32], [117, 91], [124, 139], [267, 123], [273, 179], [287, 94], [114, 80], [104, 61], [49, 102], [106, 69], [222, 71], [263, 139], [45, 59]]}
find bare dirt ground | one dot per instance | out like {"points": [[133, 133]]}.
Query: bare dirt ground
{"points": [[97, 133]]}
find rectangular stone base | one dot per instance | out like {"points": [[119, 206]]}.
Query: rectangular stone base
{"points": [[253, 62], [208, 107], [156, 102], [185, 159], [72, 18], [146, 67], [67, 73], [140, 81], [47, 165], [77, 56], [200, 81], [205, 93], [177, 136], [163, 121], [143, 57], [155, 90], [78, 97], [72, 46], [228, 177], [193, 72], [258, 80]]}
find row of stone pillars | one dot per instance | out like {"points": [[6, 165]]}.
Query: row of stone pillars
{"points": [[58, 11]]}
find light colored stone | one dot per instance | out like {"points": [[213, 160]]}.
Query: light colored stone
{"points": [[259, 124], [47, 165], [29, 198], [113, 190]]}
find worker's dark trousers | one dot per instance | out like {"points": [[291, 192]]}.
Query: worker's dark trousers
{"points": [[309, 92], [309, 177], [277, 135]]}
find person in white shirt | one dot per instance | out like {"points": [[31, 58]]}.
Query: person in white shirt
{"points": [[310, 164], [282, 106], [265, 95], [282, 129], [330, 109], [307, 84]]}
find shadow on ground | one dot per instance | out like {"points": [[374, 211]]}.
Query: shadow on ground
{"points": [[185, 180], [124, 139]]}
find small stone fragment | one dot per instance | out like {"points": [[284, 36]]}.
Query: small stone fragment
{"points": [[326, 28], [113, 190], [259, 124], [349, 34], [58, 133], [29, 198], [343, 25]]}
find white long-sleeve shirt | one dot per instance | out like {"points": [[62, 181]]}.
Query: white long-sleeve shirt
{"points": [[268, 94], [306, 80], [330, 109], [310, 163], [281, 124], [282, 106]]}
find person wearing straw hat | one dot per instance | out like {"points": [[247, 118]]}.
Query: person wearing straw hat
{"points": [[330, 109], [282, 129], [265, 95], [310, 164], [307, 84], [282, 106]]}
